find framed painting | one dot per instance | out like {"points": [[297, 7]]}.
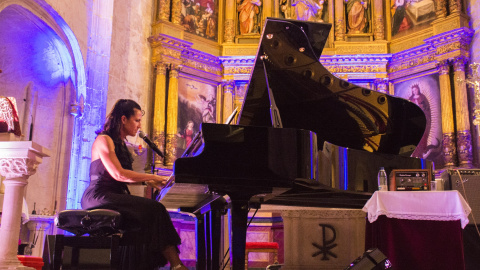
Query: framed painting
{"points": [[409, 16], [196, 104], [200, 17], [425, 92]]}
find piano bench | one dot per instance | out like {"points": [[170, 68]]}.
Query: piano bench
{"points": [[102, 227], [271, 247]]}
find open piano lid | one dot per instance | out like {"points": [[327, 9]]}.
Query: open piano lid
{"points": [[309, 97]]}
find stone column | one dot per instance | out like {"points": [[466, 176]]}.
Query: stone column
{"points": [[339, 21], [172, 113], [176, 11], [448, 142], [228, 88], [229, 34], [441, 10], [379, 28], [164, 10], [464, 138], [158, 132], [18, 160]]}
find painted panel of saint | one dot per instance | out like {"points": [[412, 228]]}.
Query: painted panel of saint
{"points": [[196, 105], [425, 92], [358, 15], [200, 17], [249, 16], [409, 16]]}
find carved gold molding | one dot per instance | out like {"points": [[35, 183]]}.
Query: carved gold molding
{"points": [[359, 48], [229, 30], [441, 10], [449, 149], [171, 149], [443, 67], [464, 147], [379, 32]]}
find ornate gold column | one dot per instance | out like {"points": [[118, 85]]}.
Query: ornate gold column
{"points": [[441, 11], [229, 34], [172, 112], [379, 28], [228, 88], [339, 21], [163, 10], [455, 6], [158, 131], [448, 142], [464, 138], [176, 11]]}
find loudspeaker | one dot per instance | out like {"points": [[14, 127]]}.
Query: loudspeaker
{"points": [[471, 183], [372, 259]]}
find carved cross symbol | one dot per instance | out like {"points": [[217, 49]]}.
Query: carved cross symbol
{"points": [[327, 244]]}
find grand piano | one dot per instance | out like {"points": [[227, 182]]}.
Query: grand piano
{"points": [[303, 137]]}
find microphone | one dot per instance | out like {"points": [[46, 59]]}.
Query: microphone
{"points": [[150, 143]]}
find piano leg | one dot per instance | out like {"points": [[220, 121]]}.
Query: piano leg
{"points": [[239, 217], [201, 243]]}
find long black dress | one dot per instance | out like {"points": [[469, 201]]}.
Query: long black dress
{"points": [[144, 220]]}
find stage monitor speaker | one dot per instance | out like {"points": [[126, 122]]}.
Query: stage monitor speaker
{"points": [[471, 182], [372, 259]]}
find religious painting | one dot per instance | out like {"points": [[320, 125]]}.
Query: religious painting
{"points": [[196, 104], [408, 16], [200, 17], [425, 92], [358, 14]]}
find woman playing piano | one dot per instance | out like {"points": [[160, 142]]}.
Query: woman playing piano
{"points": [[110, 172]]}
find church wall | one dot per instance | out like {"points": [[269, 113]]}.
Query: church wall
{"points": [[75, 14]]}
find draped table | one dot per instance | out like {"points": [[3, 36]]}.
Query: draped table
{"points": [[418, 229]]}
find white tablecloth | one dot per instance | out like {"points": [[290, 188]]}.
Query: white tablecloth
{"points": [[418, 205]]}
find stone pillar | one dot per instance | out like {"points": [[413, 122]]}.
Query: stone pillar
{"points": [[176, 11], [339, 21], [172, 113], [464, 138], [448, 142], [158, 132], [228, 88], [229, 34], [379, 28], [164, 10], [18, 160], [441, 11]]}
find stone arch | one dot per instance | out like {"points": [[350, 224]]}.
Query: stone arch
{"points": [[39, 53]]}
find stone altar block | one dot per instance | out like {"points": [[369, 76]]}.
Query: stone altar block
{"points": [[321, 238], [18, 160]]}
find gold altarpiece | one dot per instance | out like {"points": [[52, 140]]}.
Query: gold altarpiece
{"points": [[379, 54]]}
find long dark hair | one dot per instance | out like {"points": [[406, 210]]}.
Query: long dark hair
{"points": [[114, 119]]}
